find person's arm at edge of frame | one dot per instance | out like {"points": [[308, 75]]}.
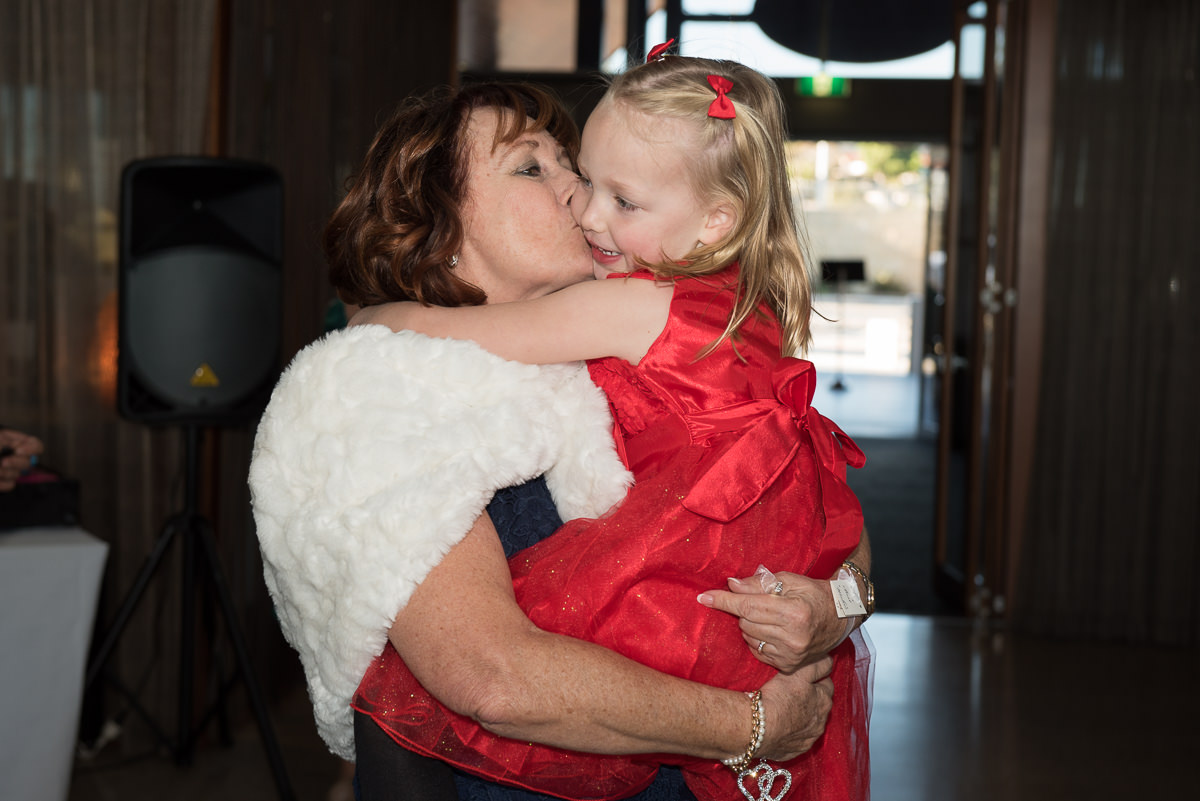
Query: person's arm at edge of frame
{"points": [[17, 452], [466, 640]]}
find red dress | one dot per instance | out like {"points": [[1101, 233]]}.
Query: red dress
{"points": [[733, 469]]}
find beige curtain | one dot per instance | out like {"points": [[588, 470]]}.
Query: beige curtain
{"points": [[1112, 548], [85, 87]]}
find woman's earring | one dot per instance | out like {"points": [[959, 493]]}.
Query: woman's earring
{"points": [[454, 261]]}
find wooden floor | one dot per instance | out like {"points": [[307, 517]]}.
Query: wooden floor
{"points": [[961, 713], [965, 713]]}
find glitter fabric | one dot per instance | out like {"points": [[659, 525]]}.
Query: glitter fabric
{"points": [[733, 469]]}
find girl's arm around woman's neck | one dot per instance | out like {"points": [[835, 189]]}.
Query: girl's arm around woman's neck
{"points": [[590, 320]]}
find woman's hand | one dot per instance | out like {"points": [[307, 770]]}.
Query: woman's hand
{"points": [[795, 626], [788, 620], [796, 707]]}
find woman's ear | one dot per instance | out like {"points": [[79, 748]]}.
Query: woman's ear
{"points": [[720, 221]]}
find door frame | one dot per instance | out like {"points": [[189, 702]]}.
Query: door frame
{"points": [[1012, 185]]}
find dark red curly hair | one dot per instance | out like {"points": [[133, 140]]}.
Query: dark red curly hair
{"points": [[393, 235]]}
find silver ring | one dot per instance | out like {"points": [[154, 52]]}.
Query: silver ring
{"points": [[761, 644], [777, 589]]}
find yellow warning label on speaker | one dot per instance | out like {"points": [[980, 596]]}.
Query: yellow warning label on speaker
{"points": [[203, 376]]}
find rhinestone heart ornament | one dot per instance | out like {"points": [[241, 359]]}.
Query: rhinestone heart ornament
{"points": [[766, 777]]}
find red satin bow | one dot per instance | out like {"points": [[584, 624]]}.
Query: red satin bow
{"points": [[722, 107], [658, 51], [740, 474]]}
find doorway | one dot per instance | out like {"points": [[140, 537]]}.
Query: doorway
{"points": [[874, 212]]}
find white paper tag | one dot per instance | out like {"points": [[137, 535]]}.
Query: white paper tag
{"points": [[846, 597]]}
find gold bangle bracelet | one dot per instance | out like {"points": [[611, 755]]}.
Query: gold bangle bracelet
{"points": [[869, 601], [758, 730]]}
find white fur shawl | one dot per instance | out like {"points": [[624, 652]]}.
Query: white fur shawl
{"points": [[374, 457]]}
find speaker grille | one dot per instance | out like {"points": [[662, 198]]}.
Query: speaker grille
{"points": [[200, 289]]}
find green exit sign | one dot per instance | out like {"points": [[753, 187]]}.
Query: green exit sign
{"points": [[823, 86]]}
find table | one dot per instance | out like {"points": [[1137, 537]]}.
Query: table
{"points": [[49, 586]]}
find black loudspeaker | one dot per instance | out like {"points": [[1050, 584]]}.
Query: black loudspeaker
{"points": [[200, 289]]}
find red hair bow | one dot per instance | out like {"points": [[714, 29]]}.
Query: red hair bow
{"points": [[722, 107], [658, 51]]}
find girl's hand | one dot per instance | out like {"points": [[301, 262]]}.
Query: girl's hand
{"points": [[796, 708], [396, 315], [795, 626]]}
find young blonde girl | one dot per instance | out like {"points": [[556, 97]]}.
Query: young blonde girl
{"points": [[685, 202]]}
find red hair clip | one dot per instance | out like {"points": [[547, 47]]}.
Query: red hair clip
{"points": [[722, 107], [658, 51]]}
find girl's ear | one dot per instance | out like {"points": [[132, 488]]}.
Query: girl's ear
{"points": [[718, 224]]}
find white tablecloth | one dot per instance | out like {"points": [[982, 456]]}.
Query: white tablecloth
{"points": [[49, 585]]}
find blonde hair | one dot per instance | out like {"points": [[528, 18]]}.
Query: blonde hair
{"points": [[741, 162]]}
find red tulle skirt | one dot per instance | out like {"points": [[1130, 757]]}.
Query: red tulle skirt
{"points": [[629, 582]]}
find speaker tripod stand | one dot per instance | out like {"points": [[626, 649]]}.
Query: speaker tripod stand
{"points": [[199, 546]]}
